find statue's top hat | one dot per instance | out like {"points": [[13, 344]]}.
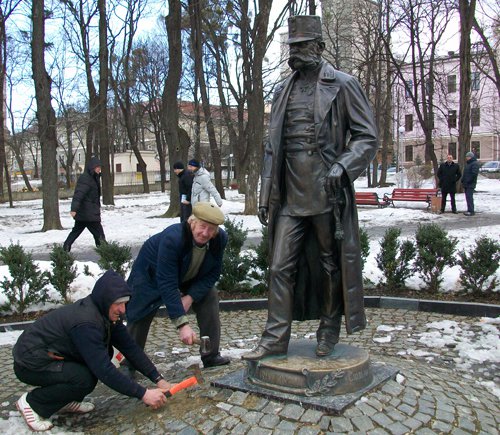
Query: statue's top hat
{"points": [[304, 28]]}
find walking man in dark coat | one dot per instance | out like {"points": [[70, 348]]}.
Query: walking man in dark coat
{"points": [[469, 180], [68, 350], [448, 174], [86, 205], [322, 136], [185, 186]]}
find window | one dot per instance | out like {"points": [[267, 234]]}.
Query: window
{"points": [[409, 153], [409, 122], [452, 149], [118, 167], [409, 88], [475, 147], [452, 84], [475, 116], [79, 157], [475, 80], [452, 119]]}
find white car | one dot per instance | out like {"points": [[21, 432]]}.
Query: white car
{"points": [[490, 167]]}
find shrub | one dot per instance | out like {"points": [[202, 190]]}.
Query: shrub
{"points": [[63, 271], [394, 258], [27, 285], [364, 244], [235, 266], [434, 252], [114, 256], [261, 264], [479, 266]]}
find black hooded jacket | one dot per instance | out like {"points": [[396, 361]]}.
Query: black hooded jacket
{"points": [[86, 199], [82, 332], [185, 183]]}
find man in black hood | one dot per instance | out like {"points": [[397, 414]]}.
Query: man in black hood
{"points": [[86, 205], [68, 350]]}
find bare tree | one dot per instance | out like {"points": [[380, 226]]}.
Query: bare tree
{"points": [[195, 15], [122, 79], [80, 34], [424, 23], [176, 149], [6, 9], [46, 120], [467, 10]]}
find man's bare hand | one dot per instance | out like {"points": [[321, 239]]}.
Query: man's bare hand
{"points": [[72, 213], [155, 398], [187, 301], [163, 385], [333, 181], [263, 215], [187, 335]]}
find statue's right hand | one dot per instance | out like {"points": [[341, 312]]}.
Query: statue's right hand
{"points": [[263, 215]]}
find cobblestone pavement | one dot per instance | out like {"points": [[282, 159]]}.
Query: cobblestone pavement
{"points": [[434, 394]]}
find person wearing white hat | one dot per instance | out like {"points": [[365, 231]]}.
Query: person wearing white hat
{"points": [[178, 268]]}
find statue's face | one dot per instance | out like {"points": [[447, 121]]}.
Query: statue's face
{"points": [[305, 55]]}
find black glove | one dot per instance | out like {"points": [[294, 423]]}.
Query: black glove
{"points": [[334, 179], [263, 215]]}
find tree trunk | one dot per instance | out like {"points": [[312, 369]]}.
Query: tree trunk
{"points": [[102, 113], [46, 120], [466, 12], [3, 73], [169, 100], [196, 42]]}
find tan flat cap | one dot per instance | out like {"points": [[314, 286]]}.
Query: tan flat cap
{"points": [[208, 212]]}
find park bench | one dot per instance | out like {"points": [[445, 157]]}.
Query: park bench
{"points": [[369, 198], [419, 195]]}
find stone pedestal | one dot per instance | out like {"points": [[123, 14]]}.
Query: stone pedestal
{"points": [[301, 372], [330, 384]]}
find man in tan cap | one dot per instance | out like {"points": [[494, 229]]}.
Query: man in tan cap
{"points": [[178, 268]]}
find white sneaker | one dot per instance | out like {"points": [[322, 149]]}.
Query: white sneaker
{"points": [[32, 419], [77, 407]]}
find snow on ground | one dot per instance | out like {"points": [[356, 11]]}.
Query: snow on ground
{"points": [[134, 218]]}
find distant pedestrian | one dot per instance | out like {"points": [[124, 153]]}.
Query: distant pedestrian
{"points": [[469, 180], [448, 174], [202, 186], [185, 185], [86, 205]]}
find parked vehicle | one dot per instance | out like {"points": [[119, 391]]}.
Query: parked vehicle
{"points": [[493, 166]]}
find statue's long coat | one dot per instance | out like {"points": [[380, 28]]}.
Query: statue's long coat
{"points": [[345, 134]]}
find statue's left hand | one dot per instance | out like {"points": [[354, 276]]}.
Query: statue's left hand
{"points": [[333, 181]]}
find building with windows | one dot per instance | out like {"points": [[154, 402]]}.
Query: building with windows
{"points": [[484, 113]]}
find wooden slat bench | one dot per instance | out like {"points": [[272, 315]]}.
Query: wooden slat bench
{"points": [[369, 198], [419, 195]]}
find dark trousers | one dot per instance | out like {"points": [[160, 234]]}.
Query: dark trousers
{"points": [[452, 201], [186, 211], [289, 240], [94, 227], [207, 316], [56, 388], [469, 198]]}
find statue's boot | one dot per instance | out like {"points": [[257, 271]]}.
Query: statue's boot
{"points": [[261, 352]]}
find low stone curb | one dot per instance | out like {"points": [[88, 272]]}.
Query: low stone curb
{"points": [[442, 307]]}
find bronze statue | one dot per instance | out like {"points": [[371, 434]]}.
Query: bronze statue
{"points": [[322, 136]]}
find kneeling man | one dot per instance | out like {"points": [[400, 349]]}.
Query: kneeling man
{"points": [[68, 350]]}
